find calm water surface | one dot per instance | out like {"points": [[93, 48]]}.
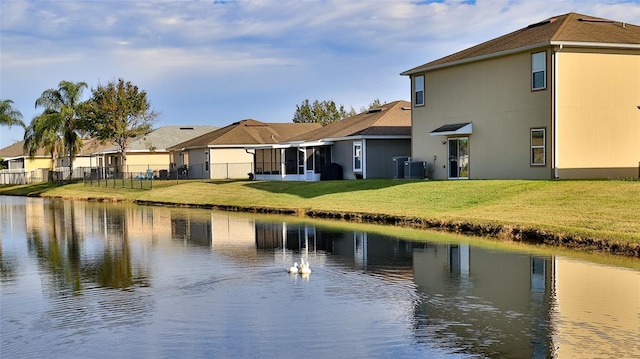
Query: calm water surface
{"points": [[91, 280]]}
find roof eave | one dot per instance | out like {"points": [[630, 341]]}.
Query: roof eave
{"points": [[605, 45], [418, 70], [583, 44], [368, 137], [330, 141], [272, 146]]}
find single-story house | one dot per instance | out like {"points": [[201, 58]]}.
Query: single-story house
{"points": [[559, 98], [227, 153], [42, 164], [360, 146], [83, 161], [16, 158], [20, 168], [150, 151]]}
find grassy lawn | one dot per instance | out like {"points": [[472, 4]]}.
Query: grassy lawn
{"points": [[600, 209]]}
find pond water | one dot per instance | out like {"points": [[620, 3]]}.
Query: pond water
{"points": [[95, 280]]}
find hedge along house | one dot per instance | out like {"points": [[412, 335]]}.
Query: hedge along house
{"points": [[227, 153], [556, 99], [363, 146]]}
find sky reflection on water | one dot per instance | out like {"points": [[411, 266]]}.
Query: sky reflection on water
{"points": [[96, 280]]}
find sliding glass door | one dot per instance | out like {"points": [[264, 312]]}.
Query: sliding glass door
{"points": [[459, 158]]}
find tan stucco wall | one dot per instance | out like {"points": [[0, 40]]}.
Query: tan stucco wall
{"points": [[37, 163], [231, 155], [598, 118], [140, 162], [496, 96], [587, 293]]}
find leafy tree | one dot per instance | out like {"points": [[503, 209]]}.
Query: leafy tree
{"points": [[8, 115], [374, 104], [60, 118], [324, 112], [118, 112]]}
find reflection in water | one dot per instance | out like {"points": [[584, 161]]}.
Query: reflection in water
{"points": [[57, 236], [167, 282], [485, 302]]}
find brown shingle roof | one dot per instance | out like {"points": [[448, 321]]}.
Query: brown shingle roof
{"points": [[248, 132], [571, 27], [92, 145], [393, 118], [16, 150]]}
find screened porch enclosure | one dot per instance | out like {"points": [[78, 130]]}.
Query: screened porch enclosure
{"points": [[291, 163]]}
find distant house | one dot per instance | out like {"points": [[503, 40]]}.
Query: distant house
{"points": [[20, 168], [228, 152], [149, 152], [361, 146], [555, 99], [83, 162]]}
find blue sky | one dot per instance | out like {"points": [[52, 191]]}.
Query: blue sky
{"points": [[216, 62]]}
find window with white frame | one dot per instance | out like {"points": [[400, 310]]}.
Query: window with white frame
{"points": [[418, 90], [357, 156], [539, 70], [538, 147]]}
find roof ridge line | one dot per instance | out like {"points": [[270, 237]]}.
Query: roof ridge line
{"points": [[562, 26]]}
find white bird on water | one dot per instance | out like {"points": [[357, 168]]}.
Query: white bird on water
{"points": [[294, 268], [304, 267]]}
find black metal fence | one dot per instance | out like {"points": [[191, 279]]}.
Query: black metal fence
{"points": [[136, 176], [123, 180]]}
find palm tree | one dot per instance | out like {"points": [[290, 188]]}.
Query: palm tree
{"points": [[37, 135], [61, 117], [8, 115]]}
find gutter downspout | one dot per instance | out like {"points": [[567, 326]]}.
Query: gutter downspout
{"points": [[253, 169], [364, 158], [555, 113]]}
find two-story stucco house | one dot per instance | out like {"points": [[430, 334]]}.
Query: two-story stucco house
{"points": [[556, 99]]}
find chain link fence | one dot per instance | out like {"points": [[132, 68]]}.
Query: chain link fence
{"points": [[19, 176]]}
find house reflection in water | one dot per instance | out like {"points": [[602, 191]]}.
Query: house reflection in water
{"points": [[192, 227], [215, 230], [274, 235], [359, 250], [480, 301], [485, 302]]}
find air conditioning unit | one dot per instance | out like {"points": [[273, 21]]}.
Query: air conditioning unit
{"points": [[398, 166], [414, 169]]}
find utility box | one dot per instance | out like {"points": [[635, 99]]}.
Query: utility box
{"points": [[398, 166], [414, 169]]}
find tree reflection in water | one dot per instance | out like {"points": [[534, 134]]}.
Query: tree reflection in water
{"points": [[62, 250]]}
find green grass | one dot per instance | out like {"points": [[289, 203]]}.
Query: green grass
{"points": [[598, 209]]}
